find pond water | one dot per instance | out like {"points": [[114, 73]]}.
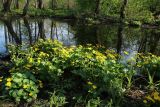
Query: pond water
{"points": [[72, 32]]}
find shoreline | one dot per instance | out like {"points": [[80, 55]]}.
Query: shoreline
{"points": [[89, 20]]}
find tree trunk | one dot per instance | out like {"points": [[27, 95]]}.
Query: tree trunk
{"points": [[6, 37], [26, 23], [40, 4], [119, 38], [120, 28], [20, 33], [41, 32], [142, 45], [25, 9], [35, 29], [97, 8], [154, 41], [122, 11], [17, 4], [68, 5], [11, 31], [52, 4], [7, 5], [52, 30]]}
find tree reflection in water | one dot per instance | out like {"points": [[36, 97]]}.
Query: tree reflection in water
{"points": [[72, 32]]}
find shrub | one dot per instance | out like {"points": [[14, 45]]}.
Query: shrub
{"points": [[67, 67], [81, 74], [21, 86]]}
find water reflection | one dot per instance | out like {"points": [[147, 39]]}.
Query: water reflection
{"points": [[120, 38], [116, 37]]}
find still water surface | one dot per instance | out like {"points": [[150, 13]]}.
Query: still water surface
{"points": [[72, 32]]}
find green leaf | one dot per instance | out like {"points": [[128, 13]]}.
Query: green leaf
{"points": [[20, 92], [13, 94], [18, 99], [17, 80], [19, 75], [26, 81], [29, 99]]}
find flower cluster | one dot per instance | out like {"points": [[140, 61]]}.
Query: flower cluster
{"points": [[22, 86], [8, 83], [153, 98], [93, 70]]}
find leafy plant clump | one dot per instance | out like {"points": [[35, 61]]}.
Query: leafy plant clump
{"points": [[80, 76], [22, 86]]}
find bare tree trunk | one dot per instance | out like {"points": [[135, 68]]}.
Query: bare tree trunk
{"points": [[35, 4], [120, 28], [40, 4], [25, 9], [6, 5], [35, 29], [20, 33], [11, 31], [5, 33], [52, 29], [142, 46], [41, 32], [119, 38], [53, 4], [17, 4], [26, 23], [154, 41], [68, 5], [122, 11], [97, 8]]}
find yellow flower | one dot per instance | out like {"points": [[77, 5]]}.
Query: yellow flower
{"points": [[100, 58], [138, 65], [89, 83], [36, 49], [30, 60], [1, 79], [145, 101], [8, 84], [25, 86], [9, 79], [72, 46], [70, 49], [89, 56], [42, 54], [28, 66], [149, 98], [47, 55], [89, 48], [156, 96], [111, 56], [39, 60], [40, 84], [94, 86], [125, 52], [30, 94]]}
